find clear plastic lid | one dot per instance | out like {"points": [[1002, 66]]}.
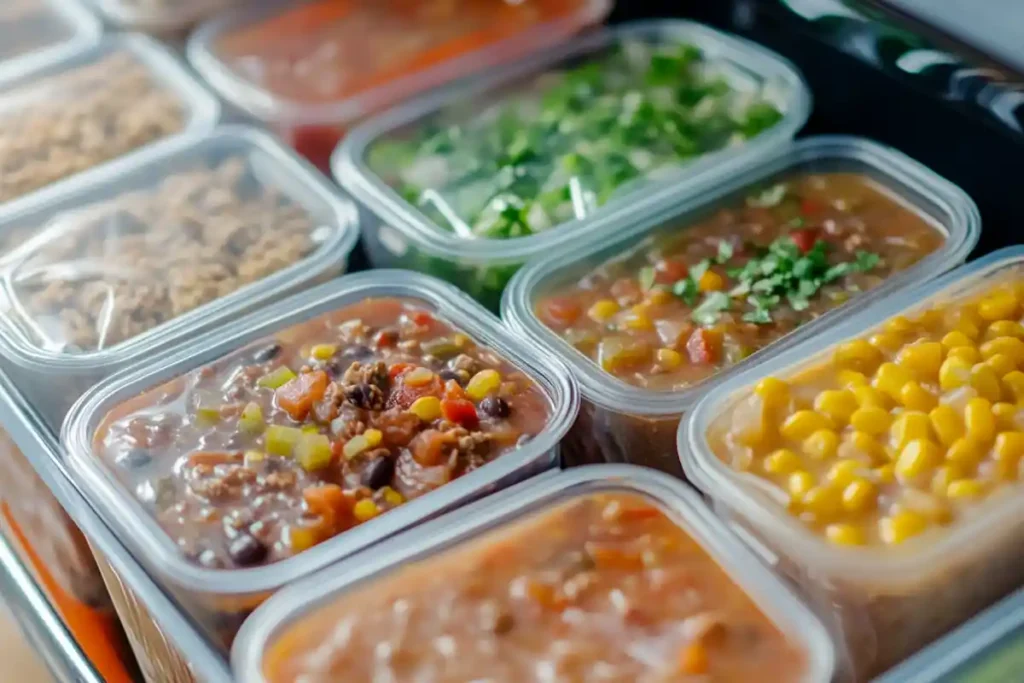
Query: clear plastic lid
{"points": [[137, 526], [99, 103], [500, 513], [943, 205], [160, 16], [37, 31], [515, 163], [335, 62], [103, 268], [968, 541]]}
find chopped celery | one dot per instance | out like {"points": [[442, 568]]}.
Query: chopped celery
{"points": [[441, 348], [313, 452], [281, 440], [276, 378], [208, 406], [251, 420]]}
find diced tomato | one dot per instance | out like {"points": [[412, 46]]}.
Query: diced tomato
{"points": [[454, 390], [398, 369], [670, 271], [422, 318], [810, 207], [429, 447], [298, 396], [385, 339], [546, 596], [460, 411], [404, 395], [330, 503], [804, 239], [560, 311], [704, 346]]}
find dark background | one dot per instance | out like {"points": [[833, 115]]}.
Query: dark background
{"points": [[963, 116]]}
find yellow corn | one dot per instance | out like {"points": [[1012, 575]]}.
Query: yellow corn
{"points": [[1011, 347], [908, 426], [886, 474], [802, 424], [782, 461], [965, 453], [844, 534], [869, 396], [985, 381], [373, 437], [1013, 382], [426, 408], [799, 483], [838, 405], [900, 325], [954, 373], [956, 338], [710, 281], [774, 393], [947, 424], [1006, 416], [915, 397], [998, 305], [365, 510], [669, 359], [823, 502], [969, 328], [858, 354], [885, 341], [417, 377], [979, 420], [890, 379], [901, 526], [1005, 328], [603, 310], [323, 351], [850, 378], [658, 296], [392, 497], [863, 444], [483, 384], [1008, 449], [916, 458], [944, 475], [967, 354], [301, 538], [823, 444], [844, 471], [460, 340], [1001, 364], [870, 420], [965, 489], [637, 321], [922, 358], [859, 495]]}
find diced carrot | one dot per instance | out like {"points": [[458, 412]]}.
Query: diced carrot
{"points": [[560, 311], [214, 458], [670, 271], [298, 396], [693, 659], [330, 503], [606, 557], [460, 411], [453, 390], [638, 514], [429, 447], [546, 596], [398, 369], [704, 346]]}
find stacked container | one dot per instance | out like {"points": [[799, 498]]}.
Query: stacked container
{"points": [[34, 32]]}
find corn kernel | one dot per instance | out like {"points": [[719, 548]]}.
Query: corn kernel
{"points": [[947, 424], [915, 397], [710, 281], [844, 471], [922, 358], [870, 420], [774, 393], [869, 397], [417, 377], [802, 424], [252, 457], [823, 444], [637, 321], [1005, 328], [890, 379], [392, 497], [849, 378], [1001, 364], [858, 354], [355, 446], [901, 526], [302, 537], [1013, 382], [965, 453], [460, 340], [823, 501], [859, 495], [426, 408], [900, 325], [967, 354], [998, 305], [968, 328], [782, 461], [886, 474], [603, 310], [669, 359], [861, 445], [799, 483], [956, 338], [908, 426], [1006, 416], [916, 458], [979, 420], [365, 510], [962, 489], [929, 318], [483, 384], [373, 437], [944, 475], [885, 341], [1008, 449], [985, 381], [954, 373], [1008, 346], [658, 296], [836, 404], [323, 351], [844, 534]]}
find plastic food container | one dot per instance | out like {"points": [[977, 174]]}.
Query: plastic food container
{"points": [[726, 71], [620, 422], [221, 598], [889, 602], [987, 649], [166, 18], [99, 103], [524, 510], [311, 69], [154, 248], [37, 31]]}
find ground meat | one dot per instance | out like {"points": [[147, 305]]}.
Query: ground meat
{"points": [[375, 374], [326, 409], [465, 363]]}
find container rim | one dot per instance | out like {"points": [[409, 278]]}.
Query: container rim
{"points": [[310, 190], [927, 554], [628, 228], [134, 18], [263, 104], [681, 504], [85, 30], [130, 519], [352, 173]]}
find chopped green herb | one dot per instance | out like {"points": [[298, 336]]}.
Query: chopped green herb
{"points": [[709, 310], [646, 278], [687, 290], [773, 196], [725, 251]]}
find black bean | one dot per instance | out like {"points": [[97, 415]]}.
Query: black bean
{"points": [[357, 352], [247, 550], [378, 472], [450, 374], [135, 458], [495, 406], [268, 352]]}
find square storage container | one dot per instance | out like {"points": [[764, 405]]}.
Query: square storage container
{"points": [[168, 19], [38, 31]]}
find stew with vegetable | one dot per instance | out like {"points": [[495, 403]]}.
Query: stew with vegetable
{"points": [[604, 587], [683, 305], [287, 443]]}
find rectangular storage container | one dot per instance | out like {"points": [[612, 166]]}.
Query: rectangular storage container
{"points": [[311, 69], [221, 597], [888, 601], [169, 19], [34, 32], [623, 422], [103, 270], [746, 88], [110, 99], [519, 511]]}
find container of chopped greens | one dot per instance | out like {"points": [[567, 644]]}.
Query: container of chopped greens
{"points": [[661, 305], [471, 182]]}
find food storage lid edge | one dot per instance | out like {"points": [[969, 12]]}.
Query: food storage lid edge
{"points": [[86, 30]]}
